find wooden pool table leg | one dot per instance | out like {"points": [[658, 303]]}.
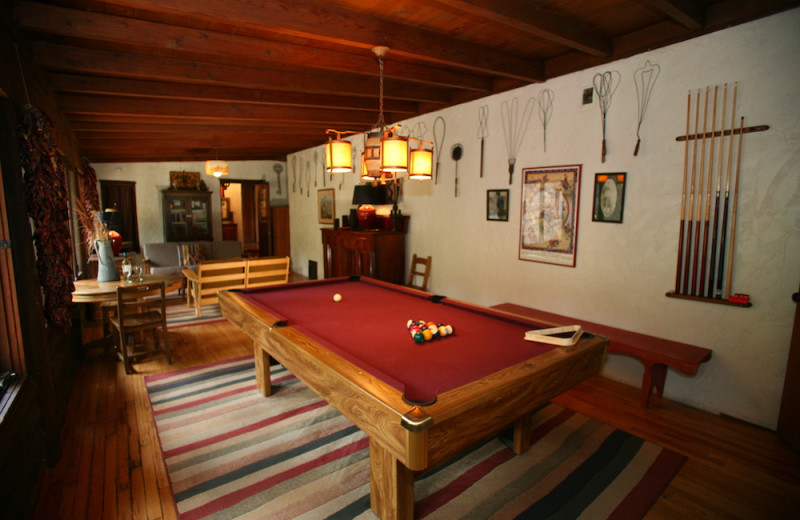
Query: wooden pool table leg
{"points": [[391, 485], [263, 379], [522, 433]]}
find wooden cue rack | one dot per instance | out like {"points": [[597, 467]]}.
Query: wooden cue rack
{"points": [[705, 259]]}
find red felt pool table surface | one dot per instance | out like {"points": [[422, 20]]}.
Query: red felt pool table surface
{"points": [[368, 328]]}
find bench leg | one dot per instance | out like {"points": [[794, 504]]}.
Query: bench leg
{"points": [[654, 377]]}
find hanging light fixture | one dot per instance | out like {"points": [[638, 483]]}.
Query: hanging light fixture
{"points": [[386, 152], [216, 167], [421, 162], [338, 155]]}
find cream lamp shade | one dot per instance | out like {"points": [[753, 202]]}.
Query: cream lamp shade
{"points": [[338, 156], [216, 168], [421, 164]]}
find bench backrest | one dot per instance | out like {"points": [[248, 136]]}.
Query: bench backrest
{"points": [[267, 271], [218, 275]]}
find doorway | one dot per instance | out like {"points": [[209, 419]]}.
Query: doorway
{"points": [[246, 215]]}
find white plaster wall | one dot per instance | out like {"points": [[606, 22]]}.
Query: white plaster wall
{"points": [[151, 178], [623, 270]]}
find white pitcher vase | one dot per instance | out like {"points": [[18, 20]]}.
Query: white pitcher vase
{"points": [[106, 266]]}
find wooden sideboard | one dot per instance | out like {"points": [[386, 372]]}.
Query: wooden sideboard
{"points": [[377, 254]]}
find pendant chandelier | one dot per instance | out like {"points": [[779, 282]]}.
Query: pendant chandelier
{"points": [[386, 152], [216, 167]]}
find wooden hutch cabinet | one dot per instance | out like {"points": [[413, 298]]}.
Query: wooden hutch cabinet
{"points": [[377, 254], [187, 215]]}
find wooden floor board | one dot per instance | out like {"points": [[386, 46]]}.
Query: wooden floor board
{"points": [[112, 468]]}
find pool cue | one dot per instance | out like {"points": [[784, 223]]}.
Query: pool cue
{"points": [[733, 210], [679, 270], [687, 263], [721, 267], [704, 261], [696, 254], [713, 264]]}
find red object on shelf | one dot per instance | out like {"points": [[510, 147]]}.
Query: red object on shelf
{"points": [[739, 298], [366, 216], [116, 241]]}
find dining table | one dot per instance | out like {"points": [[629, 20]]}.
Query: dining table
{"points": [[92, 291]]}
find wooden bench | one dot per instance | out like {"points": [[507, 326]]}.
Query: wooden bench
{"points": [[656, 353], [213, 276]]}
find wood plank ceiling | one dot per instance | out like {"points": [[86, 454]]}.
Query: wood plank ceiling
{"points": [[183, 80]]}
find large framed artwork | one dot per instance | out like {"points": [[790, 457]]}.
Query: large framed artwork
{"points": [[549, 216]]}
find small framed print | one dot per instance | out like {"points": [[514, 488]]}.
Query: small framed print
{"points": [[609, 197], [225, 206], [497, 205], [325, 204]]}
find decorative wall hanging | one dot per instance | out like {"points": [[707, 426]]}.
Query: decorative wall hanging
{"points": [[294, 174], [326, 205], [549, 216], [497, 205], [644, 77], [483, 129], [605, 84], [545, 112], [456, 153], [609, 197], [278, 169], [308, 178], [706, 243], [316, 163], [514, 128], [439, 128]]}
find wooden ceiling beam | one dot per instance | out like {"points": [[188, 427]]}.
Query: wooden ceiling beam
{"points": [[82, 84], [77, 104], [689, 14], [529, 18], [188, 41], [101, 62], [325, 22]]}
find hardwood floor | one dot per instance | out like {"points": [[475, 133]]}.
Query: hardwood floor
{"points": [[112, 467]]}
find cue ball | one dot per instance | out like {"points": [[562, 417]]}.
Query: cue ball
{"points": [[337, 297]]}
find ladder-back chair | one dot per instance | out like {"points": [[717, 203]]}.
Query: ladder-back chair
{"points": [[419, 267], [140, 308]]}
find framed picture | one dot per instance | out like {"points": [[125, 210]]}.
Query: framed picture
{"points": [[609, 197], [225, 205], [184, 180], [325, 204], [497, 205], [549, 215]]}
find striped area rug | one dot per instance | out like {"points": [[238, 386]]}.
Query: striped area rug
{"points": [[232, 453], [179, 315]]}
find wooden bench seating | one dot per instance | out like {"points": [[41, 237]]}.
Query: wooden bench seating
{"points": [[240, 273], [656, 353]]}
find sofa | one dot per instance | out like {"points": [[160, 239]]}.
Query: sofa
{"points": [[171, 257]]}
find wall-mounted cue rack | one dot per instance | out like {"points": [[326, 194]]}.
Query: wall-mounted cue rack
{"points": [[707, 238]]}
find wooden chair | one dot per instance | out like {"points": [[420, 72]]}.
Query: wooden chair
{"points": [[141, 308], [420, 267]]}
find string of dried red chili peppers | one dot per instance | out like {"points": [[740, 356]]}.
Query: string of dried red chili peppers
{"points": [[46, 199]]}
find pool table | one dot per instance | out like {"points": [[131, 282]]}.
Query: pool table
{"points": [[421, 404]]}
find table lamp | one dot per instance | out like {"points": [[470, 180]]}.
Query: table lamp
{"points": [[365, 196]]}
